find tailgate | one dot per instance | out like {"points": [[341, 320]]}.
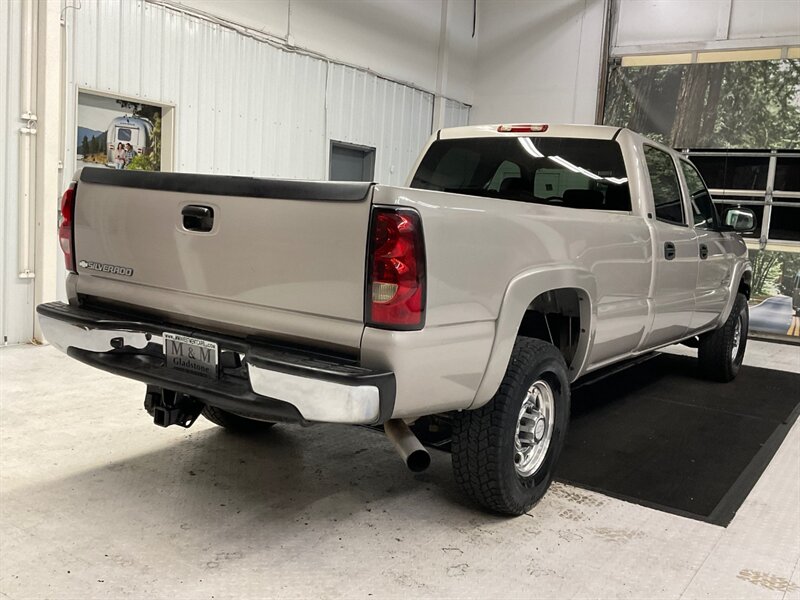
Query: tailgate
{"points": [[282, 258]]}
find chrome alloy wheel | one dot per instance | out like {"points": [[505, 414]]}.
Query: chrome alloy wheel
{"points": [[737, 338], [534, 428]]}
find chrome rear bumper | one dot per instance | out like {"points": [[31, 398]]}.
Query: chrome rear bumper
{"points": [[268, 382]]}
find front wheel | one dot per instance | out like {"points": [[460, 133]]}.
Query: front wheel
{"points": [[721, 351], [505, 453]]}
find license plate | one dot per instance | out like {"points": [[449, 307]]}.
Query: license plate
{"points": [[191, 355]]}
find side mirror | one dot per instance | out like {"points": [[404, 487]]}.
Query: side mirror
{"points": [[742, 220]]}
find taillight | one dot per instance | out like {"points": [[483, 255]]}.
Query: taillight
{"points": [[396, 270], [65, 227]]}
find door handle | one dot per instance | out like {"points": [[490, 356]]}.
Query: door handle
{"points": [[197, 218], [703, 251], [669, 250]]}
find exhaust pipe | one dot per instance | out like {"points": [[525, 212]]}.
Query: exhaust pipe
{"points": [[407, 445]]}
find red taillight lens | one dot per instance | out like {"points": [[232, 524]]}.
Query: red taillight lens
{"points": [[65, 227], [396, 278]]}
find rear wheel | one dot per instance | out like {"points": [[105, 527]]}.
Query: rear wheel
{"points": [[234, 422], [505, 453], [721, 351]]}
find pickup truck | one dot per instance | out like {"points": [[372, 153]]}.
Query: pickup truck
{"points": [[518, 259]]}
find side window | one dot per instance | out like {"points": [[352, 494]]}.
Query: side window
{"points": [[666, 188], [506, 174], [704, 212]]}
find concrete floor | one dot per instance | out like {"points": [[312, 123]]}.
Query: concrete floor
{"points": [[97, 502]]}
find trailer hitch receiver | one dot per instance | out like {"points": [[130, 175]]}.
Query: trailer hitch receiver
{"points": [[171, 408]]}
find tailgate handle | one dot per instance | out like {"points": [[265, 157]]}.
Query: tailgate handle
{"points": [[197, 218]]}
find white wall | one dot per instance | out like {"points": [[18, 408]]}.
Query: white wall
{"points": [[462, 51], [765, 19], [243, 106], [16, 295], [398, 39], [369, 111], [657, 25], [537, 61], [263, 101]]}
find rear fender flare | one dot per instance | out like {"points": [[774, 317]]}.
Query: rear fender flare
{"points": [[521, 291]]}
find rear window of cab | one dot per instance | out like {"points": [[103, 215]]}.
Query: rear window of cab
{"points": [[570, 172]]}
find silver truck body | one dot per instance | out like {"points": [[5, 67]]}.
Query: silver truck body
{"points": [[292, 271]]}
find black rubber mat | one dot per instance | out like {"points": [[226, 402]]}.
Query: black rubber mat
{"points": [[661, 436]]}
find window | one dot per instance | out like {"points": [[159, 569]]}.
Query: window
{"points": [[123, 134], [787, 174], [570, 172], [703, 211], [666, 189], [507, 171], [732, 172], [350, 162], [784, 223]]}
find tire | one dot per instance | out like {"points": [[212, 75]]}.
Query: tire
{"points": [[721, 351], [487, 464], [234, 422]]}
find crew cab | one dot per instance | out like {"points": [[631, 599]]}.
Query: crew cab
{"points": [[518, 259]]}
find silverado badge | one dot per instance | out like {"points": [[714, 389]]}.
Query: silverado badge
{"points": [[104, 268]]}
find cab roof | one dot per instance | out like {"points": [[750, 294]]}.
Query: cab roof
{"points": [[600, 132]]}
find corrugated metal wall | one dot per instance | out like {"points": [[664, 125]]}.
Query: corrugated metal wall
{"points": [[456, 114], [16, 295], [244, 106], [392, 118]]}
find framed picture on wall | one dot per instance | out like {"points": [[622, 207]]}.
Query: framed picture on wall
{"points": [[122, 133]]}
